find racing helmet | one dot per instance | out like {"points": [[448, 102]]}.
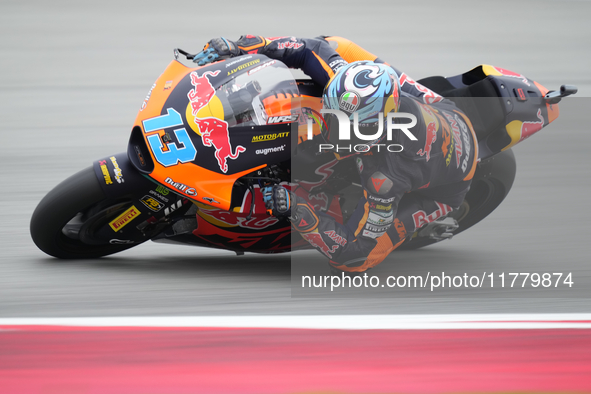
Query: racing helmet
{"points": [[363, 89]]}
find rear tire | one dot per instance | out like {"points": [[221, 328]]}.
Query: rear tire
{"points": [[490, 185], [76, 195]]}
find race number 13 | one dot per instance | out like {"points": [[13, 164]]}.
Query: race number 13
{"points": [[174, 154]]}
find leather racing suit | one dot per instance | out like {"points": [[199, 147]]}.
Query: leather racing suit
{"points": [[402, 191]]}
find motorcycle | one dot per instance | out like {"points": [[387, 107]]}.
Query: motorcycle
{"points": [[207, 139]]}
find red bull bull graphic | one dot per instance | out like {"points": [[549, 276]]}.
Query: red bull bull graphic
{"points": [[318, 201], [202, 91], [430, 140], [529, 128], [431, 133], [508, 73], [519, 130], [429, 96], [214, 132]]}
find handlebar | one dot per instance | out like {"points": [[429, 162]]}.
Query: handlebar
{"points": [[178, 51], [554, 97]]}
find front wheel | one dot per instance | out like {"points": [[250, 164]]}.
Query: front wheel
{"points": [[70, 206]]}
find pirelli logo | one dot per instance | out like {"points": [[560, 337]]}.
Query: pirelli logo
{"points": [[269, 137], [126, 217]]}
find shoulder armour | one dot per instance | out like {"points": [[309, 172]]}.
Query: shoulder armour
{"points": [[379, 184]]}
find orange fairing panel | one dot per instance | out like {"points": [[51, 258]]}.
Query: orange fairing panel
{"points": [[199, 184], [279, 105], [198, 159], [522, 124], [553, 110], [161, 89], [310, 107]]}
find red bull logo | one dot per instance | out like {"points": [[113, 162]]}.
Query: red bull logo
{"points": [[214, 132], [202, 91], [429, 96], [318, 201], [529, 128], [431, 138], [421, 218], [431, 133], [508, 73]]}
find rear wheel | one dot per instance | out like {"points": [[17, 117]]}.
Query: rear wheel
{"points": [[491, 183], [69, 213]]}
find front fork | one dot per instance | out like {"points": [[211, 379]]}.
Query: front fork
{"points": [[135, 208]]}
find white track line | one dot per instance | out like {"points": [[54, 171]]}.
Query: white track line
{"points": [[343, 322]]}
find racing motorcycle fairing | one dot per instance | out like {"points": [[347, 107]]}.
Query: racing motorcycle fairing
{"points": [[206, 140], [201, 129], [139, 208], [505, 107]]}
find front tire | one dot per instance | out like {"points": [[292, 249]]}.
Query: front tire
{"points": [[69, 200]]}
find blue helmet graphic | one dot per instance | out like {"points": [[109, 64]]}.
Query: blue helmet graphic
{"points": [[364, 87]]}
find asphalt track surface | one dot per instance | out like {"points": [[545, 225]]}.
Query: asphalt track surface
{"points": [[73, 78]]}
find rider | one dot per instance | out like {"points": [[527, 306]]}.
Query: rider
{"points": [[403, 191]]}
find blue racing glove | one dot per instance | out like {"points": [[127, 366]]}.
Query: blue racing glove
{"points": [[282, 203], [215, 50], [278, 201]]}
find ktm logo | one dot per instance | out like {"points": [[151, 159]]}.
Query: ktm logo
{"points": [[400, 228]]}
